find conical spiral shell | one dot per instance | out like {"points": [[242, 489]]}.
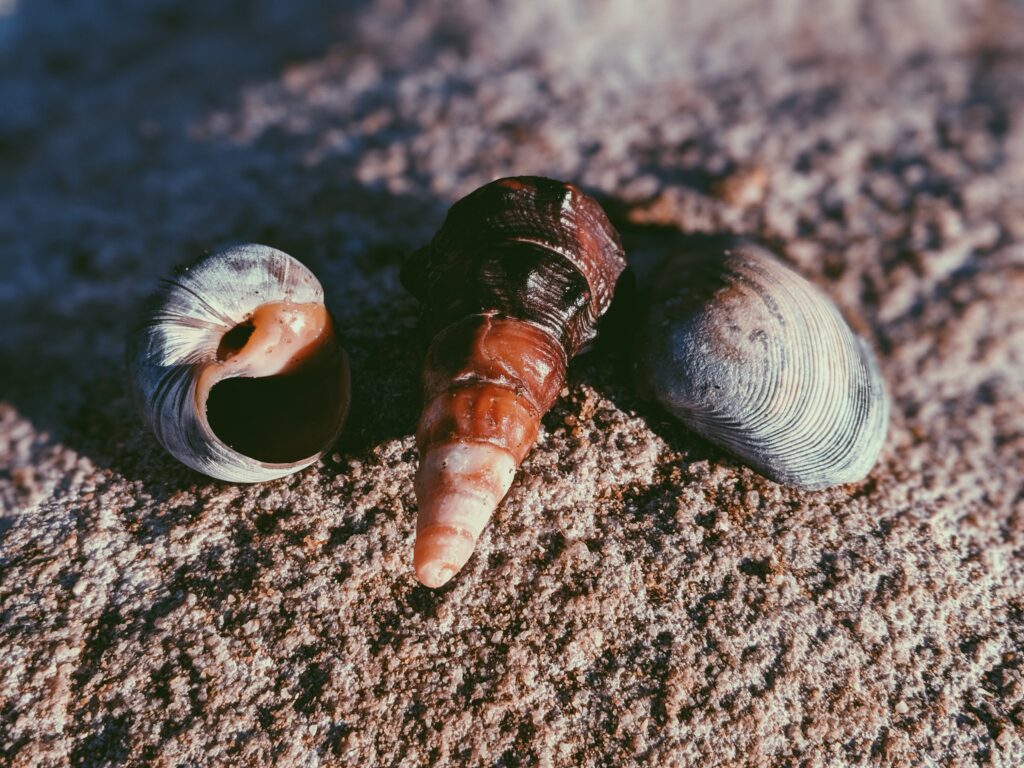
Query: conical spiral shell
{"points": [[236, 366], [515, 282], [760, 362]]}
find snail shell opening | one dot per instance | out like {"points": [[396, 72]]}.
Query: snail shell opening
{"points": [[237, 366], [275, 397]]}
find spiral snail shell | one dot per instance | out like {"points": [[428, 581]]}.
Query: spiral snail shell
{"points": [[759, 362], [513, 283], [236, 366]]}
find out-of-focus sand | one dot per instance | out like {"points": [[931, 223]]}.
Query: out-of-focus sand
{"points": [[639, 597]]}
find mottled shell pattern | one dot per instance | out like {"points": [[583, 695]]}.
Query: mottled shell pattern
{"points": [[526, 247], [760, 362], [236, 366], [513, 285]]}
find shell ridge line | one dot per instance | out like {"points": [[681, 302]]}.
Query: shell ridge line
{"points": [[762, 426], [563, 251], [473, 380], [806, 443], [763, 423], [847, 428], [496, 314], [809, 401], [876, 402], [160, 319], [202, 301], [455, 530], [796, 433], [166, 386], [839, 453], [476, 440], [836, 409], [805, 407]]}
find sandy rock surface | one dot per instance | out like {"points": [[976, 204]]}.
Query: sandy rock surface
{"points": [[639, 597]]}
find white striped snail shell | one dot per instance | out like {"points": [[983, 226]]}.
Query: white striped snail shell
{"points": [[513, 284], [758, 361], [237, 368]]}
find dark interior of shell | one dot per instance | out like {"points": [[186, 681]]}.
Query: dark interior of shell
{"points": [[530, 248], [286, 417]]}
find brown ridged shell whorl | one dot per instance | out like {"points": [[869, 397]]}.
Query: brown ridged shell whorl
{"points": [[513, 286], [530, 248]]}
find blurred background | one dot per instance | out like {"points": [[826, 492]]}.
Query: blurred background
{"points": [[134, 135], [878, 147]]}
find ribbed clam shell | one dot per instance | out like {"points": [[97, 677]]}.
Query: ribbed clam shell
{"points": [[180, 334], [760, 362]]}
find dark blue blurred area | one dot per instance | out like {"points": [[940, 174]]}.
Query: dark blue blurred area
{"points": [[98, 103], [89, 47]]}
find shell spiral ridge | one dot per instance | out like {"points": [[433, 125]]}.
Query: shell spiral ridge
{"points": [[236, 367], [531, 248], [513, 285]]}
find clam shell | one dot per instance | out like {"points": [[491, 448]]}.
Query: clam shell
{"points": [[760, 362], [177, 360]]}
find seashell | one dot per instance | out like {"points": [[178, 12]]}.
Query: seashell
{"points": [[237, 368], [758, 361], [513, 283]]}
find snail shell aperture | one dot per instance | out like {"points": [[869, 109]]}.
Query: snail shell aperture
{"points": [[513, 283], [237, 368], [758, 361]]}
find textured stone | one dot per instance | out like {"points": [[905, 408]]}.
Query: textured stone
{"points": [[638, 597]]}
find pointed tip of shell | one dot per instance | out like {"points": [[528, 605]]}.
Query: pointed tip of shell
{"points": [[440, 553], [435, 574], [458, 487]]}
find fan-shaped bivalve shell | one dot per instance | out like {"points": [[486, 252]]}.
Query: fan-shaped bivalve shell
{"points": [[237, 368], [760, 362]]}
